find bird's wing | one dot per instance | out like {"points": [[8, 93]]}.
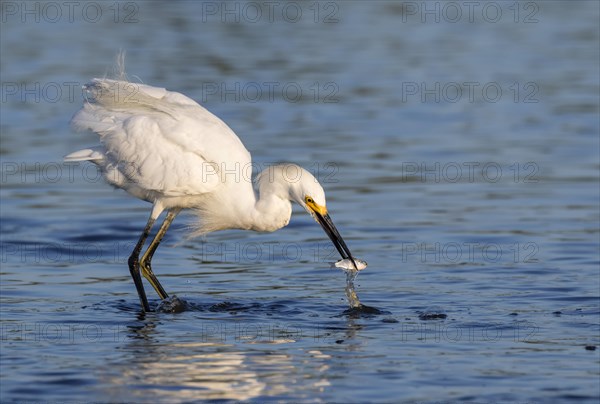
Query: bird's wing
{"points": [[160, 140]]}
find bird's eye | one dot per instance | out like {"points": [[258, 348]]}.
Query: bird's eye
{"points": [[308, 199]]}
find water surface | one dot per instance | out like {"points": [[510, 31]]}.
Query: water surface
{"points": [[477, 211]]}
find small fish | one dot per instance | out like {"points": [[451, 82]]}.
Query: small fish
{"points": [[346, 264]]}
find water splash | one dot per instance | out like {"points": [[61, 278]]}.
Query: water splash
{"points": [[351, 267], [351, 295], [172, 304]]}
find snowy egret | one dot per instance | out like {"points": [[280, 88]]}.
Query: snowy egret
{"points": [[164, 148]]}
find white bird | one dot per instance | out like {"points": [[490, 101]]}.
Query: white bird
{"points": [[164, 148]]}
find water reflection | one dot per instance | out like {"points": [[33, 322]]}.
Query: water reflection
{"points": [[180, 371], [187, 371], [206, 369]]}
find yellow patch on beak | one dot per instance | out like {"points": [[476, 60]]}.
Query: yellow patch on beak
{"points": [[315, 207]]}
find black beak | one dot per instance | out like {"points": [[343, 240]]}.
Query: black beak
{"points": [[327, 225]]}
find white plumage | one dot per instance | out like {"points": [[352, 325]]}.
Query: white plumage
{"points": [[164, 148], [157, 144]]}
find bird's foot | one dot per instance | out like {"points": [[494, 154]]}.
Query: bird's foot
{"points": [[172, 304]]}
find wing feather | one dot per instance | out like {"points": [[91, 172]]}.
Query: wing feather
{"points": [[159, 140]]}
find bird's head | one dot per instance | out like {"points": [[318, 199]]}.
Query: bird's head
{"points": [[309, 194], [292, 182]]}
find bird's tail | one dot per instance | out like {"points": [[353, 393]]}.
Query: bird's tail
{"points": [[94, 154]]}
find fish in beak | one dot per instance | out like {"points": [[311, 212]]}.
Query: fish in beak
{"points": [[322, 217]]}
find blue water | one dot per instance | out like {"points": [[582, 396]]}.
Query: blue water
{"points": [[460, 158]]}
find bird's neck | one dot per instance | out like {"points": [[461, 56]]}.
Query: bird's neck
{"points": [[266, 208], [270, 212]]}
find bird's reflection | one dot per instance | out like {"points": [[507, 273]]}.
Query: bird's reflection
{"points": [[210, 367], [167, 358]]}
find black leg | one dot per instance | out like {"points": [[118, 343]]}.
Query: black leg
{"points": [[134, 259], [146, 261]]}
